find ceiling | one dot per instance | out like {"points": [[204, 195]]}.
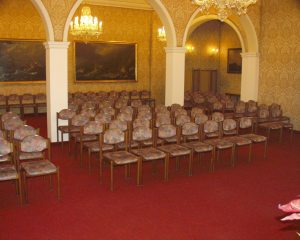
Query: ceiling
{"points": [[135, 4]]}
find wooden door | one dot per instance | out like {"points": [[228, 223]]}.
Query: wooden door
{"points": [[205, 80]]}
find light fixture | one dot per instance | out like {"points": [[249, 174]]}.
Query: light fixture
{"points": [[86, 26], [213, 51], [189, 48], [161, 34], [224, 7]]}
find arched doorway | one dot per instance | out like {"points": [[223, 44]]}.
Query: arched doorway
{"points": [[249, 44]]}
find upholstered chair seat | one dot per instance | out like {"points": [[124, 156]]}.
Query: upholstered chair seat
{"points": [[198, 146], [121, 157], [37, 168], [175, 150], [30, 155], [8, 172], [149, 153], [219, 143], [254, 137]]}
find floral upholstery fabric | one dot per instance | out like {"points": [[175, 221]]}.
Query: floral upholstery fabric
{"points": [[94, 146], [66, 114], [6, 158], [12, 123], [229, 104], [219, 143], [263, 113], [88, 105], [180, 111], [175, 106], [198, 99], [121, 157], [27, 98], [14, 99], [166, 131], [122, 125], [245, 122], [145, 94], [40, 98], [239, 141], [217, 116], [143, 108], [8, 172], [34, 143], [211, 126], [23, 131], [198, 146], [189, 129], [5, 147], [103, 118], [69, 129], [149, 153], [275, 112], [121, 103], [252, 106], [136, 103], [162, 120], [141, 133], [73, 106], [79, 120], [7, 115], [273, 126], [175, 150], [141, 123], [104, 104], [125, 117], [159, 114], [254, 137], [201, 118], [217, 106], [145, 115], [89, 112], [108, 111], [134, 94], [161, 108], [240, 107], [229, 124], [93, 127], [127, 109], [195, 111], [31, 155], [36, 168], [182, 119], [113, 136]]}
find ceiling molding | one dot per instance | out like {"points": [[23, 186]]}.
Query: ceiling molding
{"points": [[134, 4]]}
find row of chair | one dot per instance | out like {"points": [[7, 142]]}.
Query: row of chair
{"points": [[22, 103], [23, 154]]}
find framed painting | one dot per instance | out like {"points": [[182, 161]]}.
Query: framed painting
{"points": [[105, 62], [22, 61], [234, 60]]}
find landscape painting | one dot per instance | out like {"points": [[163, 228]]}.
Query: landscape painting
{"points": [[105, 62], [22, 61]]}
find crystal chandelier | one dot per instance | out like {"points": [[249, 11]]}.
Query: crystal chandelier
{"points": [[86, 26], [224, 7], [161, 34]]}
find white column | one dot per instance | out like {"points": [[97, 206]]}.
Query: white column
{"points": [[175, 65], [250, 76], [56, 82]]}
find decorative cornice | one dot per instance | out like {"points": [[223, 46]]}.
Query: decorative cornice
{"points": [[123, 4]]}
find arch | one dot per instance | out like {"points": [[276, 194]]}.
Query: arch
{"points": [[157, 6], [250, 44], [203, 19], [45, 18]]}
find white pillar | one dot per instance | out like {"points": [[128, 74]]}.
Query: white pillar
{"points": [[250, 76], [175, 65], [56, 82]]}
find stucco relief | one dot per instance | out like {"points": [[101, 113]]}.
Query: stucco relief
{"points": [[58, 11]]}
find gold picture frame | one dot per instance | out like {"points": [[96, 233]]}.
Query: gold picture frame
{"points": [[105, 62], [22, 61]]}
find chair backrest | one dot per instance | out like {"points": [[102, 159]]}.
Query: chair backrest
{"points": [[103, 118], [211, 126], [12, 123], [8, 115], [136, 103], [263, 113], [27, 98], [40, 98], [23, 131], [240, 107], [123, 116], [160, 108], [121, 102], [201, 118], [162, 120], [79, 120], [251, 106], [217, 106], [229, 124], [167, 131], [5, 147], [92, 128], [142, 133], [34, 143], [88, 105], [127, 109], [122, 125], [217, 116], [175, 106], [195, 111], [144, 115], [245, 122], [190, 129], [182, 119], [180, 111], [66, 114], [13, 99], [144, 108], [114, 136], [108, 111], [89, 112], [145, 94], [140, 122]]}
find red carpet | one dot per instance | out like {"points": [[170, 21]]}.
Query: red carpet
{"points": [[231, 203]]}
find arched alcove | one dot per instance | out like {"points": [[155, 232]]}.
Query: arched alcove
{"points": [[245, 30]]}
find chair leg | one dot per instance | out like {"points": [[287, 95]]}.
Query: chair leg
{"points": [[58, 183], [51, 182], [111, 176], [62, 140], [232, 155], [89, 161], [167, 159], [191, 156], [212, 160], [139, 173], [100, 169], [20, 189], [250, 153], [280, 135], [265, 149]]}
